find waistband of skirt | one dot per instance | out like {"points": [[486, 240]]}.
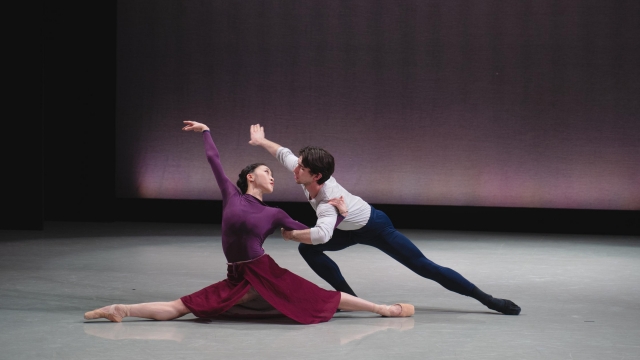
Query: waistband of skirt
{"points": [[246, 261]]}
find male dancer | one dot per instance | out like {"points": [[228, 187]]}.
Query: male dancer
{"points": [[363, 224]]}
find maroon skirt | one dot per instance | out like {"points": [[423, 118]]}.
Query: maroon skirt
{"points": [[287, 292]]}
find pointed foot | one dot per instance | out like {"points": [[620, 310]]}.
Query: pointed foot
{"points": [[507, 307], [113, 313]]}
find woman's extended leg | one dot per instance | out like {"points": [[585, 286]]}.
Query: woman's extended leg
{"points": [[352, 303], [156, 310]]}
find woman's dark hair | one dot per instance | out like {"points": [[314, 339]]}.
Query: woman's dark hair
{"points": [[318, 161], [242, 177]]}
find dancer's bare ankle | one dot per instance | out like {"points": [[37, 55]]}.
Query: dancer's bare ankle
{"points": [[382, 310], [123, 310]]}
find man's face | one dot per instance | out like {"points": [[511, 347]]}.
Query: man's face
{"points": [[303, 175]]}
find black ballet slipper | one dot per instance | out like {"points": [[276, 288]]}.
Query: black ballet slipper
{"points": [[504, 306]]}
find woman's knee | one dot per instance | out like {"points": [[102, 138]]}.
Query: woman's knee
{"points": [[179, 307]]}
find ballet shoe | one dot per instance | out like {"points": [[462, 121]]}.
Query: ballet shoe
{"points": [[509, 308], [406, 310], [114, 314]]}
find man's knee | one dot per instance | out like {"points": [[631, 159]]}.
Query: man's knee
{"points": [[435, 271], [305, 249]]}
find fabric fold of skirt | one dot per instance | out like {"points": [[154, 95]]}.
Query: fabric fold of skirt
{"points": [[293, 296]]}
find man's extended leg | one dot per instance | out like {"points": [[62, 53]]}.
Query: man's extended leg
{"points": [[326, 268], [399, 247], [382, 235]]}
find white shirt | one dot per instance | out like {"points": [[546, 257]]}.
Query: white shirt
{"points": [[359, 210]]}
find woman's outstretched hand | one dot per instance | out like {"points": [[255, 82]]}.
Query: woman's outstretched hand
{"points": [[340, 205], [194, 126]]}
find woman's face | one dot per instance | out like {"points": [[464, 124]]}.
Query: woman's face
{"points": [[262, 179]]}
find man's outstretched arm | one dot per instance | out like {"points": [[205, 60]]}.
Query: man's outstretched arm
{"points": [[284, 155], [258, 139]]}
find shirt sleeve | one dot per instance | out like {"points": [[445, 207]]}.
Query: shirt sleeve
{"points": [[286, 158], [327, 221], [213, 156]]}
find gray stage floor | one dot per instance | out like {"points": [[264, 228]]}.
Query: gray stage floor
{"points": [[580, 297]]}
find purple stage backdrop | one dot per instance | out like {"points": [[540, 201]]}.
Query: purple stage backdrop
{"points": [[485, 103]]}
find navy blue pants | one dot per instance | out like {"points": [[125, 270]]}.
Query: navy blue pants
{"points": [[380, 233]]}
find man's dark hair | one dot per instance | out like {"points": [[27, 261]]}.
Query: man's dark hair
{"points": [[242, 177], [318, 161]]}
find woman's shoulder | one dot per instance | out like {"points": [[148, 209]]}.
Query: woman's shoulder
{"points": [[276, 212]]}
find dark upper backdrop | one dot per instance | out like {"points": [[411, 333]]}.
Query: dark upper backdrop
{"points": [[530, 104], [488, 103]]}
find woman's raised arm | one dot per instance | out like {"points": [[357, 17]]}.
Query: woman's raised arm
{"points": [[213, 156]]}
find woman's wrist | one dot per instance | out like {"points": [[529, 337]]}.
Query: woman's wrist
{"points": [[345, 213]]}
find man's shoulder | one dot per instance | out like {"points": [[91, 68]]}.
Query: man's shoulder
{"points": [[331, 188], [331, 184]]}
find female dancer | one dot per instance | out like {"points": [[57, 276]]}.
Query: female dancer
{"points": [[251, 273]]}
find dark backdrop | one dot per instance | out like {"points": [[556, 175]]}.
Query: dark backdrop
{"points": [[21, 145], [488, 103], [77, 150], [79, 110]]}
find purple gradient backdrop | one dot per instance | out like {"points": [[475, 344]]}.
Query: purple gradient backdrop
{"points": [[523, 104]]}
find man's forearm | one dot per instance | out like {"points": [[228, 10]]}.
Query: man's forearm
{"points": [[270, 146], [302, 236]]}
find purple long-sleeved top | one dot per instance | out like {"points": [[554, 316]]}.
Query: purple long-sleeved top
{"points": [[246, 221]]}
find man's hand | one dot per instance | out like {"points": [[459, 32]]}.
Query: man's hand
{"points": [[194, 126], [258, 139], [301, 236], [257, 135], [286, 234]]}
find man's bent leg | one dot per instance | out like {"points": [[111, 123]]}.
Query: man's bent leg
{"points": [[326, 268]]}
